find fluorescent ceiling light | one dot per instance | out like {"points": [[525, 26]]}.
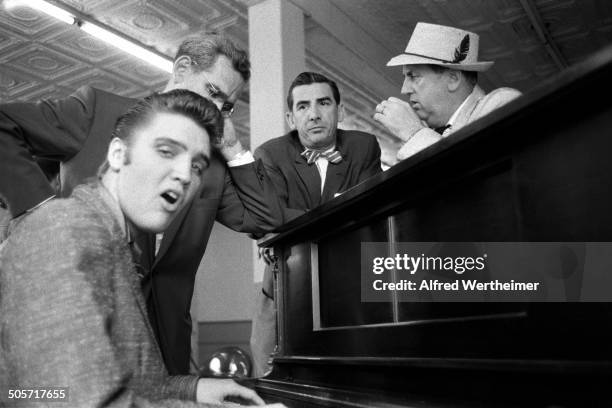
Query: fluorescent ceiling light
{"points": [[43, 6], [131, 48], [96, 30]]}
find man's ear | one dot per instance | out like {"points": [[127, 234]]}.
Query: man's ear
{"points": [[182, 67], [454, 79], [290, 121], [116, 154]]}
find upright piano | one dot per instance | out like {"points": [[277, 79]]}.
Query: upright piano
{"points": [[537, 170]]}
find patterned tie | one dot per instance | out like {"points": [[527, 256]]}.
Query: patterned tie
{"points": [[311, 156]]}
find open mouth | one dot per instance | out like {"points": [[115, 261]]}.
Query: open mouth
{"points": [[171, 197]]}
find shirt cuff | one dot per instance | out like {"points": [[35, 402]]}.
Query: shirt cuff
{"points": [[421, 139], [241, 158], [181, 387]]}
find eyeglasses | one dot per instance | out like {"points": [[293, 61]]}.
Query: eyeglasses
{"points": [[227, 109]]}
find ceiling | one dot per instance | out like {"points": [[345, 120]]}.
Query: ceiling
{"points": [[349, 40]]}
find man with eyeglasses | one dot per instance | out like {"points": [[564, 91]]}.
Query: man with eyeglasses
{"points": [[76, 131]]}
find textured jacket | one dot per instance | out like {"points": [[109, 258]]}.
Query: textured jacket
{"points": [[72, 313], [476, 106]]}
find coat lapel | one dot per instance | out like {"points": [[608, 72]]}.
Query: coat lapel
{"points": [[463, 117], [336, 173], [308, 174]]}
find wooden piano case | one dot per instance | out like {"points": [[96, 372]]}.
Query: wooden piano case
{"points": [[539, 169]]}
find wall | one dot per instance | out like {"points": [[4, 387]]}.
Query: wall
{"points": [[224, 291]]}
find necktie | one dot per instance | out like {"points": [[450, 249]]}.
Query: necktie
{"points": [[441, 129], [311, 156]]}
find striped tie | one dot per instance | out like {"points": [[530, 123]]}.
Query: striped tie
{"points": [[311, 156]]}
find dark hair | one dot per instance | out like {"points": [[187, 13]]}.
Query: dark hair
{"points": [[307, 78], [205, 49], [470, 76], [180, 101]]}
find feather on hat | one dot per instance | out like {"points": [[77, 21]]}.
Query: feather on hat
{"points": [[441, 45]]}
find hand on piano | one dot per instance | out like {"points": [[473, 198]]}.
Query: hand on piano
{"points": [[218, 391], [233, 405]]}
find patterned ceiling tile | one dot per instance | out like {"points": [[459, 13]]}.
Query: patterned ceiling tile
{"points": [[157, 24], [9, 40], [81, 45], [82, 6], [13, 84], [25, 20], [41, 62], [139, 72]]}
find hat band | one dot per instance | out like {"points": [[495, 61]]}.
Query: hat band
{"points": [[427, 56]]}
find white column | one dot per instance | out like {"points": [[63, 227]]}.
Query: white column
{"points": [[276, 50]]}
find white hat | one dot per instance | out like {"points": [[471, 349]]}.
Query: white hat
{"points": [[441, 45]]}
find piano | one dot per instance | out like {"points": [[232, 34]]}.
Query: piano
{"points": [[537, 170]]}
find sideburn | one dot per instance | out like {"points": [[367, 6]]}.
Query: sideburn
{"points": [[127, 159]]}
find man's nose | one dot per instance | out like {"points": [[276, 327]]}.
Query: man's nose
{"points": [[407, 87], [182, 169], [314, 113]]}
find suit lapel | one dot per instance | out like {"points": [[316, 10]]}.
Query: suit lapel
{"points": [[463, 117], [308, 174], [336, 173]]}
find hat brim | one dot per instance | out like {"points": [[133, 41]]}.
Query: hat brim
{"points": [[405, 59]]}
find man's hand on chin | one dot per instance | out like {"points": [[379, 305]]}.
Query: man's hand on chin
{"points": [[230, 147], [398, 117]]}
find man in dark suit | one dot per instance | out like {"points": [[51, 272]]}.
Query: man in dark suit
{"points": [[312, 164], [76, 131], [72, 314]]}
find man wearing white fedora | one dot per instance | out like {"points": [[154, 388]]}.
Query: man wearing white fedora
{"points": [[440, 67]]}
